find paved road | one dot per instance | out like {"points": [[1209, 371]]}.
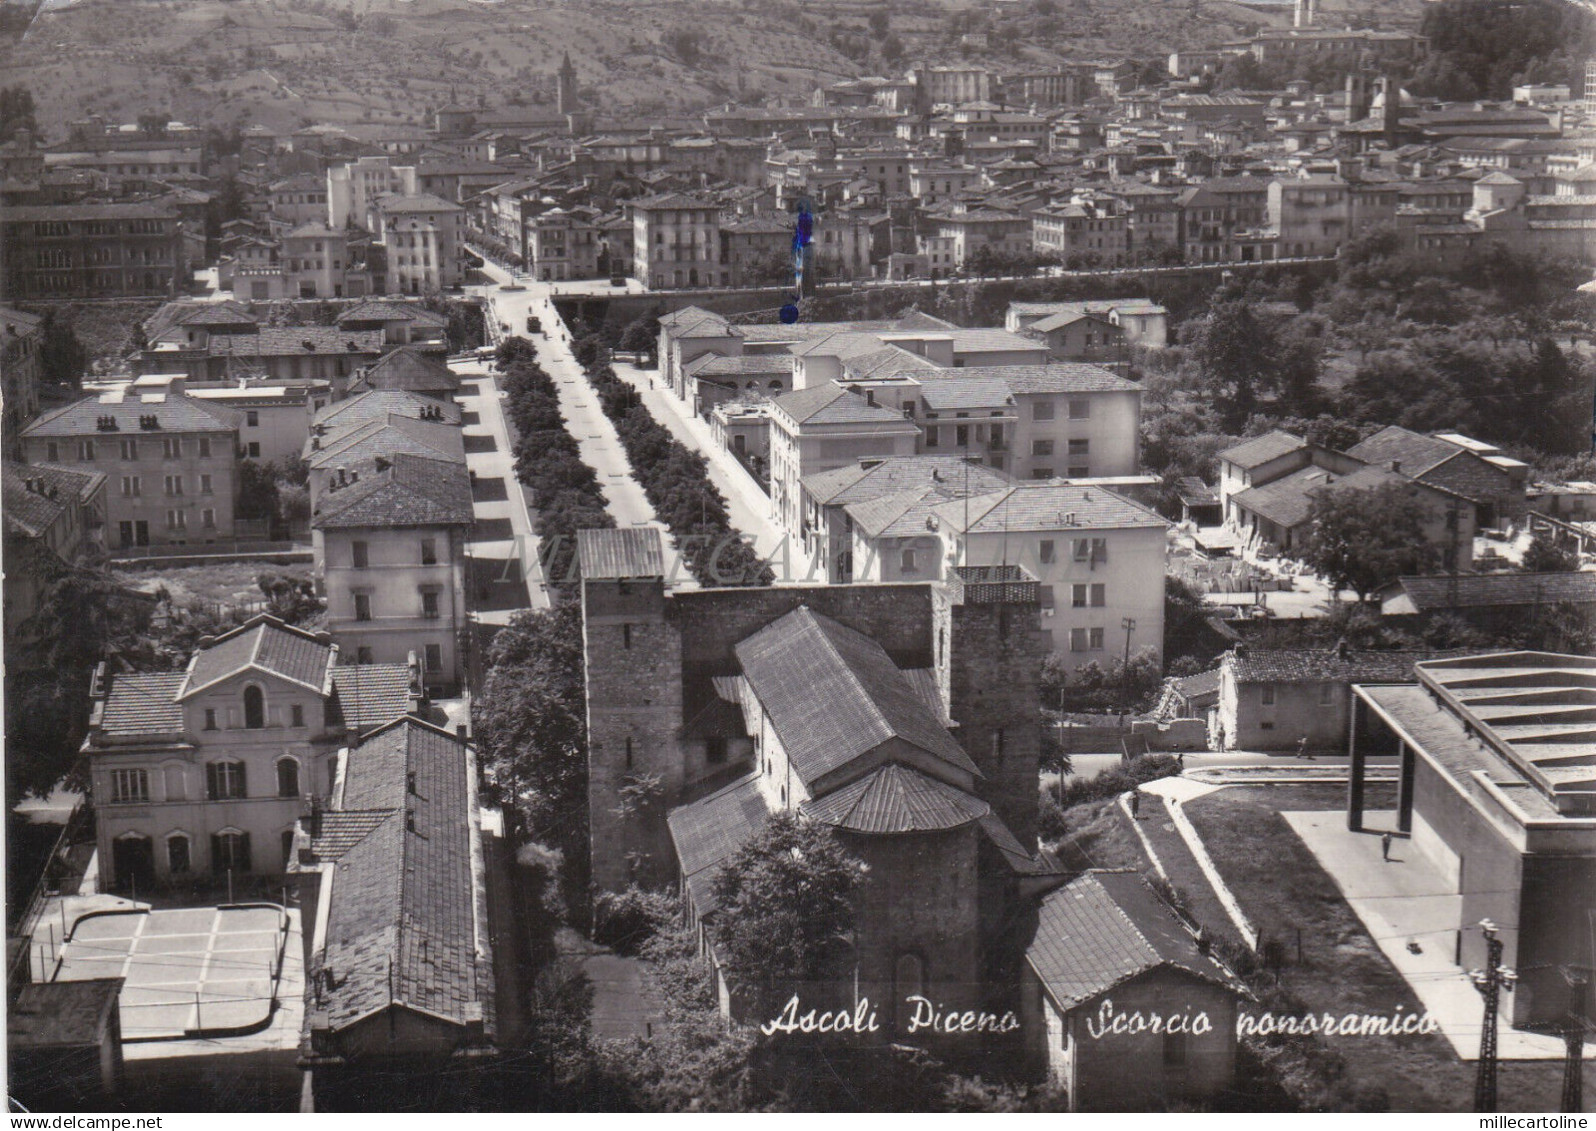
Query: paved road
{"points": [[480, 394], [595, 436], [749, 506]]}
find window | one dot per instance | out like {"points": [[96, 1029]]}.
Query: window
{"points": [[174, 484], [962, 438], [932, 436], [210, 718], [131, 487], [254, 708], [1042, 410], [359, 554], [429, 604], [128, 786], [1091, 549], [363, 655], [906, 563], [296, 715], [224, 781], [205, 447], [208, 518], [52, 451], [171, 448], [1077, 471], [433, 658], [1041, 473], [1080, 410], [429, 551], [252, 418], [1099, 595], [177, 854], [1041, 447], [287, 777], [230, 851], [86, 450], [1079, 447], [130, 449], [176, 520], [1080, 595], [1048, 551], [1268, 695], [362, 606], [1094, 639], [254, 450]]}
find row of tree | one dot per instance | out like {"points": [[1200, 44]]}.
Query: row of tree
{"points": [[676, 481], [565, 490]]}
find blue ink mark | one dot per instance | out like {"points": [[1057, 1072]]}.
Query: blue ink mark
{"points": [[803, 235]]}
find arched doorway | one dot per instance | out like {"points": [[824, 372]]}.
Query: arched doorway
{"points": [[133, 862]]}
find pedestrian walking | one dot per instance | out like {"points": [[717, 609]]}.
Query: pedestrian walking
{"points": [[1302, 747], [1136, 805], [1385, 846]]}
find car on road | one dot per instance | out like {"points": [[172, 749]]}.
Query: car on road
{"points": [[534, 324]]}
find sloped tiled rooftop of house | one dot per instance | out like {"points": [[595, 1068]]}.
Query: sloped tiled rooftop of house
{"points": [[709, 831], [1057, 377], [954, 394], [379, 405], [1319, 665], [381, 311], [143, 703], [621, 554], [1286, 501], [1527, 719], [1262, 449], [409, 369], [173, 412], [832, 404], [833, 694], [745, 365], [896, 799], [1057, 506], [1103, 929], [36, 494], [875, 478], [901, 514], [263, 644], [369, 695], [419, 202], [412, 492], [296, 341], [390, 438], [1444, 591], [406, 921], [225, 313], [1416, 452]]}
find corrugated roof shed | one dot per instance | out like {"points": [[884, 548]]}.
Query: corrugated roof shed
{"points": [[620, 554]]}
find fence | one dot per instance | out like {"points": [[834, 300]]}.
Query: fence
{"points": [[77, 823]]}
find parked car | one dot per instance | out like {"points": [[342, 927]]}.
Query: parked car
{"points": [[534, 324]]}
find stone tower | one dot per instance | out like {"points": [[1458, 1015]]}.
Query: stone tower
{"points": [[565, 87]]}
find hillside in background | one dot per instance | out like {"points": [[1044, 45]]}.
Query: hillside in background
{"points": [[286, 63]]}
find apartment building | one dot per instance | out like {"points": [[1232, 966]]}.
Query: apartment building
{"points": [[170, 462], [21, 343], [62, 251], [390, 554], [676, 242], [203, 772], [353, 187], [1098, 558], [422, 233], [53, 515], [299, 200]]}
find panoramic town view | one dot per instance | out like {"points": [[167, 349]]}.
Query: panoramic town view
{"points": [[809, 556]]}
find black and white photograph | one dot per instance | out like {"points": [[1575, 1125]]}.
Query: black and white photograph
{"points": [[810, 556]]}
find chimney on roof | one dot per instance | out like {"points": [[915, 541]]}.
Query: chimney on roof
{"points": [[1241, 650], [1396, 465], [1342, 649], [315, 816], [410, 820], [343, 476], [383, 464]]}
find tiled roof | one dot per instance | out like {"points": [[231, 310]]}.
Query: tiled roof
{"points": [[420, 202], [620, 554], [391, 438], [1203, 683], [71, 1015], [149, 210], [1310, 665], [263, 644], [341, 831], [227, 313], [380, 404], [896, 799], [708, 832], [406, 919], [1259, 451], [858, 483], [677, 320], [296, 341], [14, 321], [1288, 500], [983, 339], [413, 492], [1105, 928], [1057, 377], [1415, 452], [1047, 506], [174, 412], [955, 393], [889, 361], [832, 404], [1443, 591], [833, 694], [33, 510], [408, 369], [381, 311], [901, 514], [1065, 318], [144, 703], [370, 695], [748, 365]]}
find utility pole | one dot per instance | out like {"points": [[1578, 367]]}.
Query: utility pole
{"points": [[1490, 982], [1129, 625], [1574, 1042]]}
